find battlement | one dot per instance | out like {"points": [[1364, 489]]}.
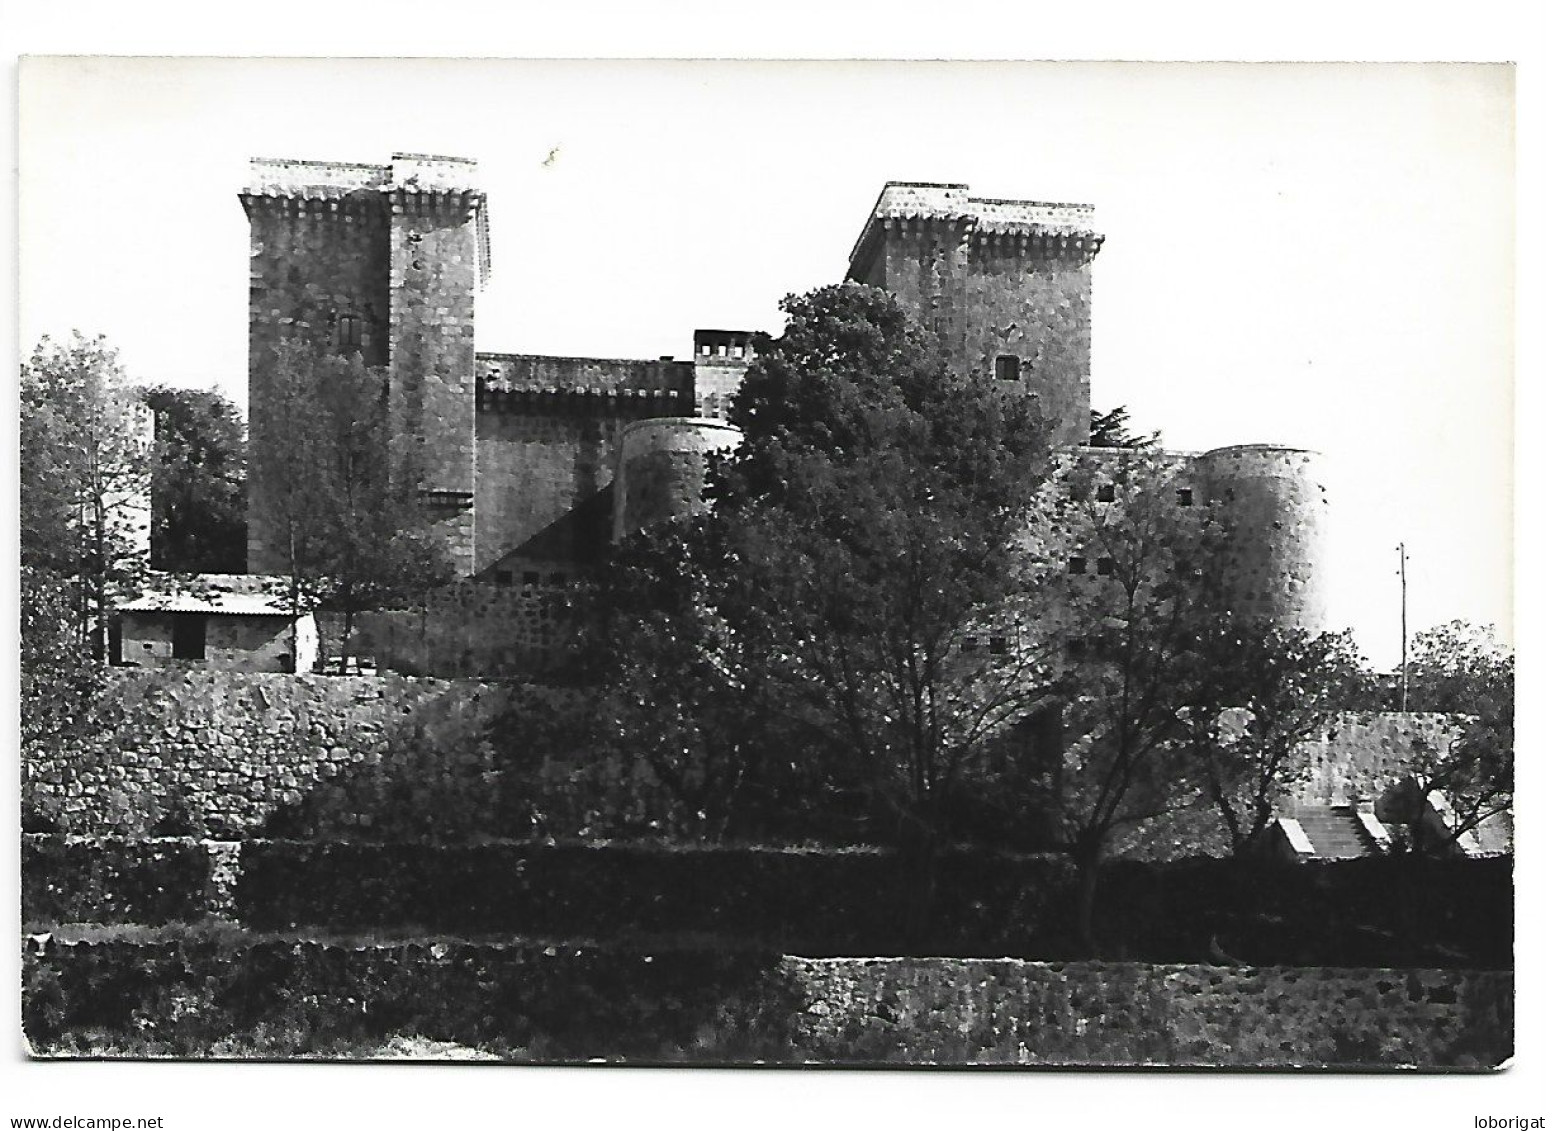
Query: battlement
{"points": [[416, 172], [723, 347], [919, 202], [506, 380]]}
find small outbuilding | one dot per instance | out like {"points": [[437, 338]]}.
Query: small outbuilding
{"points": [[239, 622]]}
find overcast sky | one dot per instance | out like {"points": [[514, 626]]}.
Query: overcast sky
{"points": [[1318, 256]]}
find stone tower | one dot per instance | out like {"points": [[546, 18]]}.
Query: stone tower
{"points": [[1004, 284], [383, 260]]}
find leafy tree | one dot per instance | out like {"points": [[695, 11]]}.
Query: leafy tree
{"points": [[344, 480], [855, 586], [1461, 669], [1136, 619], [85, 475], [1111, 430], [197, 484], [1260, 693]]}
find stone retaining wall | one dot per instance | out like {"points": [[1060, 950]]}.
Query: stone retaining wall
{"points": [[226, 754], [200, 996]]}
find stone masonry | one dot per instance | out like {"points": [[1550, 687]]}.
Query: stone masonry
{"points": [[528, 459]]}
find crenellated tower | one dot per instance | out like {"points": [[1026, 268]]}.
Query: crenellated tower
{"points": [[385, 261], [1005, 286]]}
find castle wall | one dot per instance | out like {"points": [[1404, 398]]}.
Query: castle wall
{"points": [[547, 434], [476, 628], [1031, 300], [434, 252], [1273, 507], [1261, 511], [925, 268], [993, 279], [662, 469], [720, 358], [317, 257]]}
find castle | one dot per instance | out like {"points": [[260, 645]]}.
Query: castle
{"points": [[533, 464]]}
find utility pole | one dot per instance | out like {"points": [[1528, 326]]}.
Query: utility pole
{"points": [[1403, 629]]}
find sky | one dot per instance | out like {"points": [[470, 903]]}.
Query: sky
{"points": [[1312, 255]]}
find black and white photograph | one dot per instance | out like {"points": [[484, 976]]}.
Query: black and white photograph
{"points": [[733, 563]]}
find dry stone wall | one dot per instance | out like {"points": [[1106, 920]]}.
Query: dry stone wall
{"points": [[231, 754], [185, 995]]}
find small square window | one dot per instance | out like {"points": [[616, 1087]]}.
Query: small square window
{"points": [[969, 644], [1185, 496], [1106, 493], [1006, 367], [504, 577], [998, 645], [1076, 565], [531, 577], [558, 579], [1104, 567], [1075, 648]]}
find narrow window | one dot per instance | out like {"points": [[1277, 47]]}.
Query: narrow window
{"points": [[1076, 565], [1185, 496], [1006, 367], [348, 333], [1106, 493], [723, 350], [188, 637], [1104, 567]]}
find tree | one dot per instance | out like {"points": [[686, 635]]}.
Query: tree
{"points": [[1137, 616], [856, 586], [85, 478], [198, 523], [1111, 430], [1461, 669], [1260, 692], [343, 481]]}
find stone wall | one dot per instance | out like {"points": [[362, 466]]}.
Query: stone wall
{"points": [[433, 256], [1273, 505], [520, 627], [1360, 754], [1031, 300], [662, 469], [195, 995], [232, 753], [246, 643], [547, 436], [313, 260]]}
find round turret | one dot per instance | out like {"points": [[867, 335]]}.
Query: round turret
{"points": [[661, 467], [1275, 515]]}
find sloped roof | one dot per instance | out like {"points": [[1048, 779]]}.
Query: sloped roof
{"points": [[230, 594]]}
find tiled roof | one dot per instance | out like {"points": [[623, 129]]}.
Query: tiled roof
{"points": [[232, 594]]}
